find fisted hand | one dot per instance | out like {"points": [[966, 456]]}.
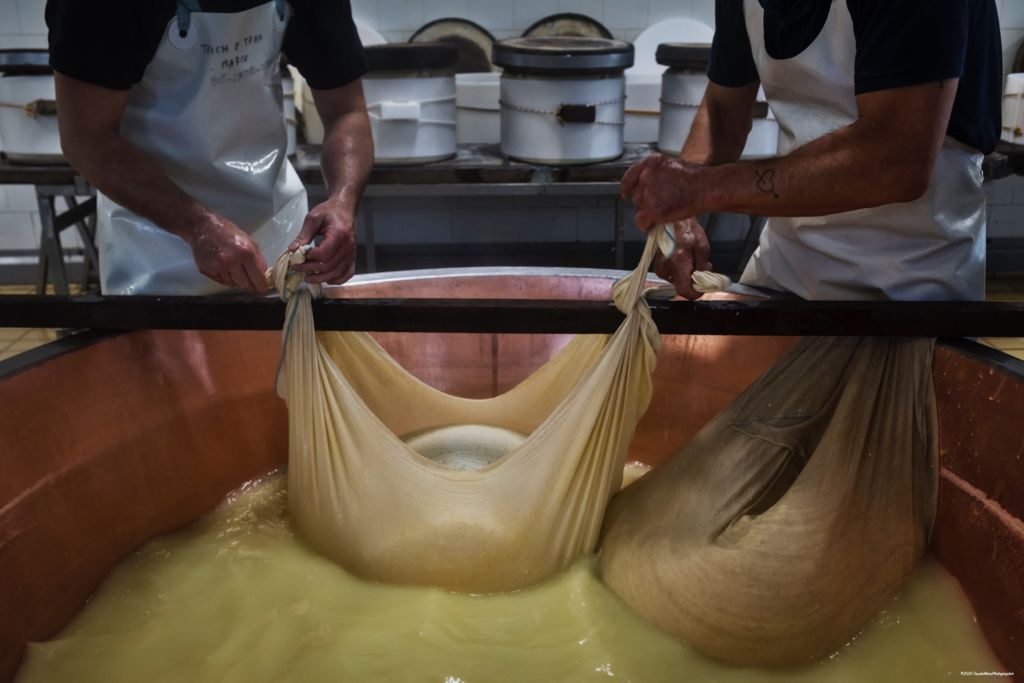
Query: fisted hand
{"points": [[691, 253], [664, 189], [226, 254], [333, 261]]}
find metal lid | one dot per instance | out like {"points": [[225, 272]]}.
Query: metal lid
{"points": [[22, 62], [567, 24], [473, 41], [403, 56], [563, 54], [688, 56]]}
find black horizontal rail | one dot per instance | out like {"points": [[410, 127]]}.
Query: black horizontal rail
{"points": [[766, 318]]}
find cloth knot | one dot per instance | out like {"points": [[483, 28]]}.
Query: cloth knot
{"points": [[705, 281], [628, 290], [286, 281]]}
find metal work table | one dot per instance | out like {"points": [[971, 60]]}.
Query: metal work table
{"points": [[481, 170], [52, 181], [476, 170]]}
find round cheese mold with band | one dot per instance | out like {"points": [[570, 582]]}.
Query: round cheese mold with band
{"points": [[562, 98], [410, 99]]}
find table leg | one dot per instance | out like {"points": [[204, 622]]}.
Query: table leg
{"points": [[41, 265], [49, 244]]}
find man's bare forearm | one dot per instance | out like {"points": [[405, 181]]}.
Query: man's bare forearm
{"points": [[127, 175], [347, 157], [720, 128], [346, 161], [713, 141], [846, 170], [885, 156], [699, 147], [90, 118]]}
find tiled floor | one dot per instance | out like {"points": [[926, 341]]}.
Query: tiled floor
{"points": [[17, 340], [1006, 288], [1013, 346], [1010, 288]]}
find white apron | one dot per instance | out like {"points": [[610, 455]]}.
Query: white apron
{"points": [[929, 249], [208, 111]]}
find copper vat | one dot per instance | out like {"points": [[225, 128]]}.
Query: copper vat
{"points": [[109, 440]]}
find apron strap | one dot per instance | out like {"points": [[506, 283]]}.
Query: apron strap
{"points": [[184, 15], [187, 7]]}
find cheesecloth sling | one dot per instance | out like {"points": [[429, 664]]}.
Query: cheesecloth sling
{"points": [[361, 496], [795, 515]]}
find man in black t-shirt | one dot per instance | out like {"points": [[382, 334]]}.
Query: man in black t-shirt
{"points": [[172, 110], [885, 109]]}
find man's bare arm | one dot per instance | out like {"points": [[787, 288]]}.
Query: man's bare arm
{"points": [[89, 117], [348, 145], [720, 128], [885, 156], [347, 159], [717, 136]]}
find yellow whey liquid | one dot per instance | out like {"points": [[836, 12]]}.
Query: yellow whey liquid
{"points": [[237, 597]]}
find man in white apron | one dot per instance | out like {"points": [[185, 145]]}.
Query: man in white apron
{"points": [[172, 109], [885, 110]]}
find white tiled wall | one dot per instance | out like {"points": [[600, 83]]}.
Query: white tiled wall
{"points": [[22, 25], [398, 19], [1011, 20], [1006, 197]]}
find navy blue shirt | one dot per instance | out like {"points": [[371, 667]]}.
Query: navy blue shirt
{"points": [[110, 42], [899, 43]]}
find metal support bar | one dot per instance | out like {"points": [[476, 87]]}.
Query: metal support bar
{"points": [[75, 214], [51, 254], [51, 267], [764, 318]]}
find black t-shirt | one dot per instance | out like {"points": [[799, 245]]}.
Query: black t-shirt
{"points": [[110, 42], [899, 43]]}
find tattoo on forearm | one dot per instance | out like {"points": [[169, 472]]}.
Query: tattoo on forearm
{"points": [[766, 181]]}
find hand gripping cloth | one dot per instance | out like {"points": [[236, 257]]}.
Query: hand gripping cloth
{"points": [[795, 515], [359, 495]]}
